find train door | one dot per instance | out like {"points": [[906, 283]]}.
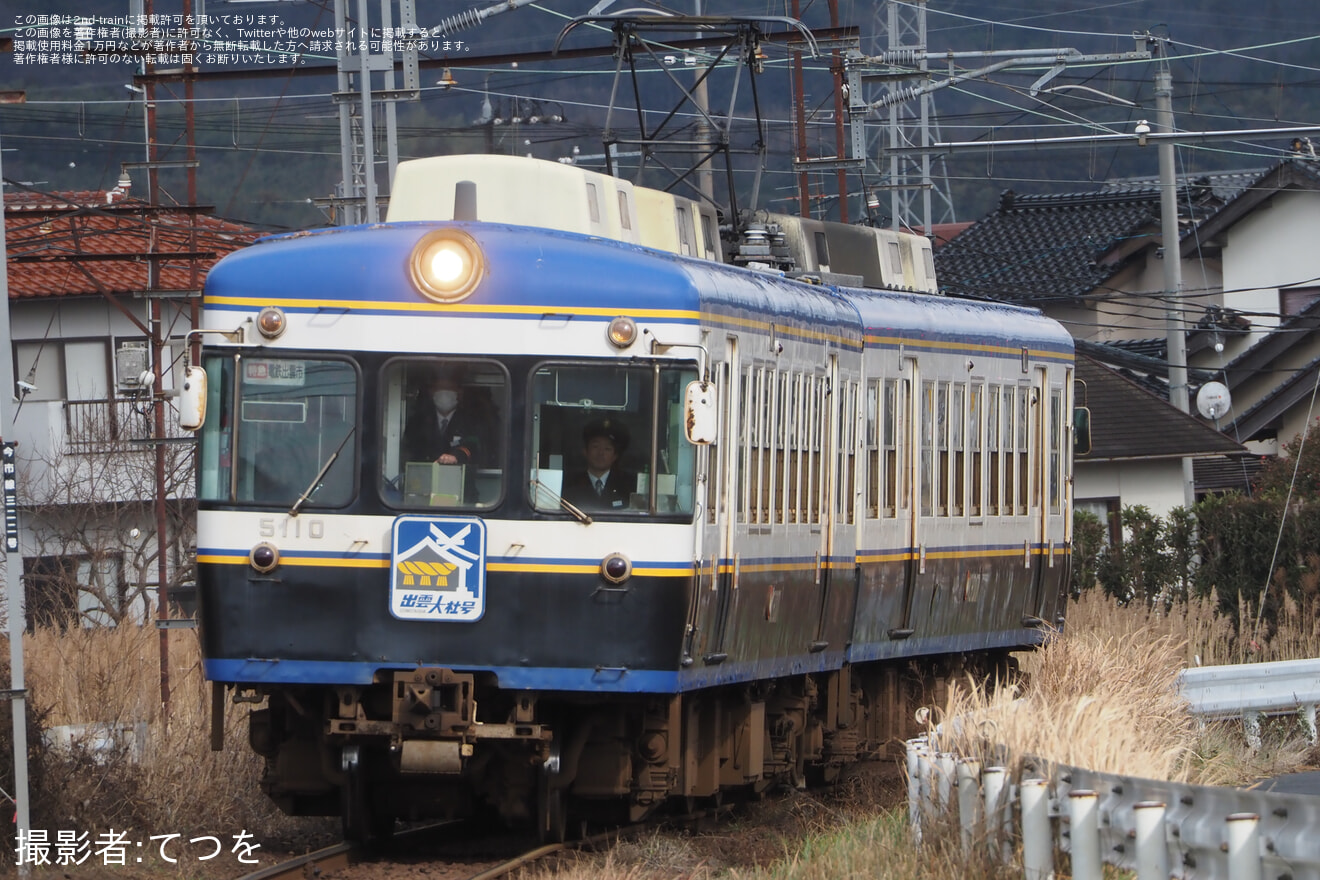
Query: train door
{"points": [[724, 485], [1047, 491], [907, 508], [832, 411]]}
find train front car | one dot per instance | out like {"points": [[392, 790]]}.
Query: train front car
{"points": [[399, 548]]}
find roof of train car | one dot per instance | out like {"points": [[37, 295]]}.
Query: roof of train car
{"points": [[953, 324], [349, 268]]}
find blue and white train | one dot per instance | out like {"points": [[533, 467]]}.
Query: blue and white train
{"points": [[840, 497]]}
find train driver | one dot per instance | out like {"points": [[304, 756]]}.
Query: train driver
{"points": [[444, 431], [601, 485]]}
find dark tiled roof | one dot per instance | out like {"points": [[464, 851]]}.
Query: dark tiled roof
{"points": [[1221, 185], [65, 244], [1039, 248], [1152, 348], [1127, 421], [1264, 413]]}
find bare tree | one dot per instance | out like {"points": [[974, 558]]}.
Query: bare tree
{"points": [[88, 501]]}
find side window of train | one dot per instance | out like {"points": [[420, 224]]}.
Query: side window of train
{"points": [[1023, 454], [871, 439], [686, 230], [714, 457], [976, 440], [280, 428], [625, 210], [610, 442], [994, 462], [1057, 457], [444, 425]]}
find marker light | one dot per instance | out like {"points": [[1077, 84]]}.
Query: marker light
{"points": [[264, 557], [622, 332], [616, 568], [271, 322], [446, 265]]}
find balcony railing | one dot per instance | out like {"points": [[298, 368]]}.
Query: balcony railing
{"points": [[113, 425]]}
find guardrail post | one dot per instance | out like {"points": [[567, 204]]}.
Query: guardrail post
{"points": [[914, 787], [1251, 726], [926, 772], [944, 777], [1037, 841], [1243, 846], [1152, 841], [1084, 832], [1308, 721], [969, 801], [993, 785]]}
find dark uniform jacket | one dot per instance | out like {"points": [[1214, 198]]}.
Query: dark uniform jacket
{"points": [[619, 486]]}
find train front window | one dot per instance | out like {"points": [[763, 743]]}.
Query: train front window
{"points": [[279, 428], [610, 440], [443, 433]]}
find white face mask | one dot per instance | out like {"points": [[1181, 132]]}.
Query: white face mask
{"points": [[445, 401]]}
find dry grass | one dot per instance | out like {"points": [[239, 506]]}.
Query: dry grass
{"points": [[1208, 637], [112, 675]]}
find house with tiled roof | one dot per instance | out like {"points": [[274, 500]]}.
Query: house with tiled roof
{"points": [[93, 278], [1250, 282]]}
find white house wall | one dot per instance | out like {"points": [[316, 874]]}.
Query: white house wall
{"points": [[1156, 485], [1274, 246]]}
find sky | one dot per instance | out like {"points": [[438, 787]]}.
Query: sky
{"points": [[268, 142]]}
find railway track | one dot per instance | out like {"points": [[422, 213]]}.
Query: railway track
{"points": [[344, 856]]}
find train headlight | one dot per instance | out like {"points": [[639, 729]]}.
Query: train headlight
{"points": [[616, 568], [271, 322], [622, 332], [446, 265], [264, 557]]}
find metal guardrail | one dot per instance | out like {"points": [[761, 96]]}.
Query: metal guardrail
{"points": [[1159, 829], [1251, 690]]}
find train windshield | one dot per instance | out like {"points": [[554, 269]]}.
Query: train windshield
{"points": [[610, 441], [443, 433], [280, 428]]}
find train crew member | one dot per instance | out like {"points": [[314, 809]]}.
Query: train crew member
{"points": [[444, 431], [601, 486]]}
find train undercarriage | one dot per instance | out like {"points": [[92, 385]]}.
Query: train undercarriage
{"points": [[435, 743]]}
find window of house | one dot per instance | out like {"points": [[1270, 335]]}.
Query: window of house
{"points": [[1295, 300]]}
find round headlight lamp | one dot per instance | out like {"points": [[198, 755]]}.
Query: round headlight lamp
{"points": [[616, 568], [446, 265], [264, 557], [622, 332], [271, 322]]}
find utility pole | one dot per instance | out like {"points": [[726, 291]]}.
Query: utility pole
{"points": [[1174, 324]]}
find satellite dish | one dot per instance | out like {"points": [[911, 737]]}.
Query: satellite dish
{"points": [[1213, 400]]}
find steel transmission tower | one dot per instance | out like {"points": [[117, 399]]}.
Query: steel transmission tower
{"points": [[898, 40], [364, 51]]}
